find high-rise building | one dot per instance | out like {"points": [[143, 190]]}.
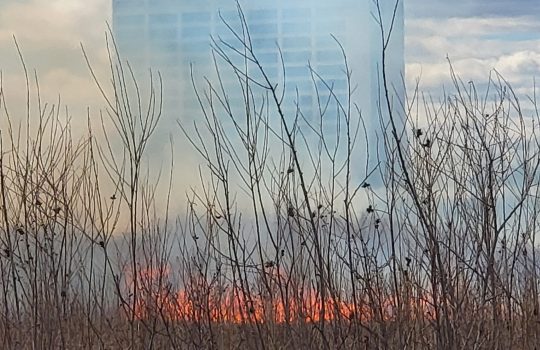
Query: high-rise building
{"points": [[174, 36]]}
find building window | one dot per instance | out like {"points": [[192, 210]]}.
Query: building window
{"points": [[163, 20], [196, 17]]}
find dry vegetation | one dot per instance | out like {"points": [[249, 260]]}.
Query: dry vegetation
{"points": [[289, 242]]}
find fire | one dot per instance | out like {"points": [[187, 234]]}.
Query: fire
{"points": [[201, 301]]}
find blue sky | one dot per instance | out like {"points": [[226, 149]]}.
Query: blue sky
{"points": [[477, 35], [473, 8]]}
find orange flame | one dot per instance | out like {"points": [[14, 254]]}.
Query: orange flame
{"points": [[204, 302]]}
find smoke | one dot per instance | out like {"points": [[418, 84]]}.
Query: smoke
{"points": [[55, 54], [49, 34]]}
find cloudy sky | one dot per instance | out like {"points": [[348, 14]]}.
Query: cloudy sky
{"points": [[477, 35]]}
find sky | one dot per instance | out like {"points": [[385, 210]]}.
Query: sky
{"points": [[49, 33], [476, 35]]}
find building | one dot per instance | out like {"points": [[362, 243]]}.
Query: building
{"points": [[174, 36]]}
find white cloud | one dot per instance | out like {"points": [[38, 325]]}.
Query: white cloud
{"points": [[474, 46]]}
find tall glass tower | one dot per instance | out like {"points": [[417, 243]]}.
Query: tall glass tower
{"points": [[174, 36]]}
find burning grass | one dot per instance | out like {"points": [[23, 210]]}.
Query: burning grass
{"points": [[226, 304]]}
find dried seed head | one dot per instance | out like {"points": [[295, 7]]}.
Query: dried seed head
{"points": [[290, 212], [269, 264]]}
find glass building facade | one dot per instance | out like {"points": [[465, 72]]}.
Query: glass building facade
{"points": [[175, 37]]}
